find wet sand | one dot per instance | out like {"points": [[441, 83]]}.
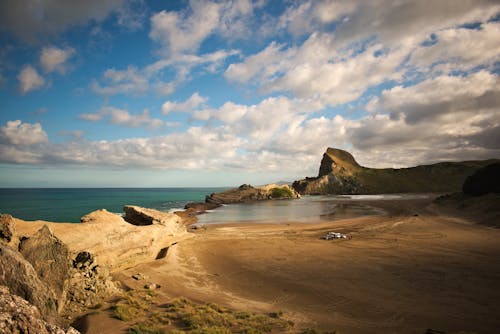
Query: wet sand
{"points": [[404, 272]]}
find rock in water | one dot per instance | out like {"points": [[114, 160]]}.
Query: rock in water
{"points": [[484, 181], [50, 258], [248, 193], [20, 276], [19, 316]]}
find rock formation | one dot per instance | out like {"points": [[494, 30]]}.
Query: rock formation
{"points": [[18, 316], [339, 173], [19, 275], [50, 259], [248, 193], [484, 181], [114, 242], [136, 215], [7, 228]]}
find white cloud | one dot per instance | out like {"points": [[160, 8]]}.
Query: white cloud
{"points": [[22, 134], [54, 59], [183, 32], [192, 103], [129, 81], [123, 117], [139, 81], [29, 79], [132, 14], [461, 48], [317, 70]]}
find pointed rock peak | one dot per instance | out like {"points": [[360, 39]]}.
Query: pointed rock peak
{"points": [[336, 159]]}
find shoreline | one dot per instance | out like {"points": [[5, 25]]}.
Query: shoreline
{"points": [[413, 268]]}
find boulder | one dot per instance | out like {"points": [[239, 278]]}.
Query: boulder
{"points": [[7, 228], [136, 215], [51, 260], [19, 275], [19, 316], [484, 181]]}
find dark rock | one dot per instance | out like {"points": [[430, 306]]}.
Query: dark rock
{"points": [[18, 316], [200, 207], [484, 181], [83, 260], [21, 278], [50, 258], [136, 215]]}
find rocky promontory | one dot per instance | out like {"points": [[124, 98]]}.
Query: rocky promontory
{"points": [[248, 193], [339, 173]]}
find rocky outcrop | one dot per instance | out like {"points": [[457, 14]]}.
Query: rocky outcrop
{"points": [[19, 275], [248, 193], [339, 173], [113, 242], [136, 215], [50, 259], [201, 207], [484, 181], [7, 228], [18, 316]]}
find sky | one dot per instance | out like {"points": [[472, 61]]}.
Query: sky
{"points": [[136, 93]]}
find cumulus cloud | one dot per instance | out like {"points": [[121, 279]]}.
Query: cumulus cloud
{"points": [[124, 118], [29, 79], [129, 81], [317, 70], [182, 32], [22, 134], [460, 49], [192, 103], [31, 20], [55, 59]]}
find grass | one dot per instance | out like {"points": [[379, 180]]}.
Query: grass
{"points": [[184, 316], [281, 192]]}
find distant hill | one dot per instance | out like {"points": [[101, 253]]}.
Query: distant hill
{"points": [[339, 173]]}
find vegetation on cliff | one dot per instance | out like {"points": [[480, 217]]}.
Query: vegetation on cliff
{"points": [[339, 173]]}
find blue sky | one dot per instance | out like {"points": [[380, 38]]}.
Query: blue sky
{"points": [[217, 93]]}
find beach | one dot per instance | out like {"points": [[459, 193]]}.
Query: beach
{"points": [[406, 271]]}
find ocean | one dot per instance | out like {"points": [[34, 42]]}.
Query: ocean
{"points": [[69, 204]]}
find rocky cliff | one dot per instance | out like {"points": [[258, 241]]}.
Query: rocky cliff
{"points": [[339, 173]]}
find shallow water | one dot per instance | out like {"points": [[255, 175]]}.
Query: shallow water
{"points": [[306, 209]]}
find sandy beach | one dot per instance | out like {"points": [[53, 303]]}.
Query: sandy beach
{"points": [[404, 272]]}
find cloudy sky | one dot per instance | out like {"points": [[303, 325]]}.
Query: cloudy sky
{"points": [[218, 93]]}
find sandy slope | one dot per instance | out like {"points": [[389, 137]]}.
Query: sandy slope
{"points": [[400, 273]]}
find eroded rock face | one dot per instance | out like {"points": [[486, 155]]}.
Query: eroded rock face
{"points": [[22, 279], [136, 215], [50, 258], [7, 228], [18, 316]]}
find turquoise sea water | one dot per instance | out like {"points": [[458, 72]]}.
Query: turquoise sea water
{"points": [[69, 204]]}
